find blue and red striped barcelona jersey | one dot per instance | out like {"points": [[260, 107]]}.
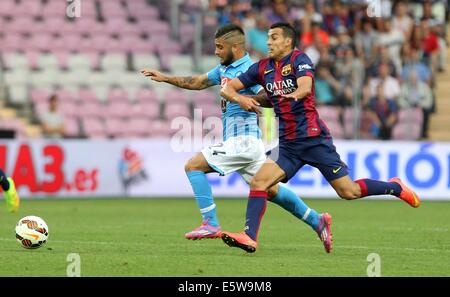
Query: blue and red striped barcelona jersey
{"points": [[297, 119]]}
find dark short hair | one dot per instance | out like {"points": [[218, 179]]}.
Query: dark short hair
{"points": [[227, 29], [288, 31]]}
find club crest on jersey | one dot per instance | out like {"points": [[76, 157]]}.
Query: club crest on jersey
{"points": [[286, 70]]}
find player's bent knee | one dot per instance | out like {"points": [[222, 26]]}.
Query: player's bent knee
{"points": [[258, 185], [190, 166]]}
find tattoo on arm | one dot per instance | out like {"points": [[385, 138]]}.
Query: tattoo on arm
{"points": [[191, 82]]}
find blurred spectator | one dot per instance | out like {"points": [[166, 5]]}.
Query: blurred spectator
{"points": [[429, 46], [366, 40], [341, 44], [382, 57], [336, 17], [308, 16], [346, 97], [257, 38], [233, 13], [389, 84], [326, 86], [412, 63], [279, 12], [350, 70], [402, 21], [315, 31], [53, 121], [384, 112], [416, 93], [392, 39]]}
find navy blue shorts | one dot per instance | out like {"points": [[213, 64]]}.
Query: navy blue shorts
{"points": [[318, 152]]}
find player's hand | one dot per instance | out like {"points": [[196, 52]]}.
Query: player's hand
{"points": [[290, 96], [249, 104], [154, 75]]}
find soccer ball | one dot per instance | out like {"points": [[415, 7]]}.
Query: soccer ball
{"points": [[31, 232]]}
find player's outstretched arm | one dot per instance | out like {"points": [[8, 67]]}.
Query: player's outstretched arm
{"points": [[230, 93], [198, 82], [304, 88]]}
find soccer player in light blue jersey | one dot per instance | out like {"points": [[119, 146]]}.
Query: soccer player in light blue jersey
{"points": [[242, 149]]}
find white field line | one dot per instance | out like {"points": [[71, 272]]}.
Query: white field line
{"points": [[359, 247]]}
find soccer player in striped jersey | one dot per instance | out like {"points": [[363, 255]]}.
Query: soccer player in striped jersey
{"points": [[9, 192], [288, 79], [242, 149]]}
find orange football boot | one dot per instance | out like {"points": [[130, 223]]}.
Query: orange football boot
{"points": [[407, 195], [240, 240]]}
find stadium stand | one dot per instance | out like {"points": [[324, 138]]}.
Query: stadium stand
{"points": [[92, 62]]}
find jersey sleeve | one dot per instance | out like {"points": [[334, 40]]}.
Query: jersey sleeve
{"points": [[214, 75], [303, 66], [256, 89], [250, 78]]}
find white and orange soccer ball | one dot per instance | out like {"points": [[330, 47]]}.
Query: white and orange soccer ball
{"points": [[31, 232]]}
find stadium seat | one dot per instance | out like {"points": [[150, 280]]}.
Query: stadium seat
{"points": [[180, 64], [19, 25], [8, 8], [137, 45], [173, 95], [117, 95], [45, 78], [117, 110], [113, 62], [64, 95], [161, 128], [328, 113], [40, 42], [336, 129], [410, 115], [349, 125], [407, 131], [54, 9], [68, 109], [48, 61], [147, 95], [87, 95], [115, 127], [204, 97], [147, 110], [94, 128], [173, 110], [79, 61], [141, 61], [15, 60], [71, 127], [91, 110], [208, 62], [139, 127], [18, 94], [38, 96], [12, 42], [210, 110]]}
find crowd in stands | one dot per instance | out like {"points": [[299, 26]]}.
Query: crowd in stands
{"points": [[376, 64], [381, 58]]}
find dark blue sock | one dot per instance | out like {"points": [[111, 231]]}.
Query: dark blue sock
{"points": [[4, 183], [256, 206], [375, 187]]}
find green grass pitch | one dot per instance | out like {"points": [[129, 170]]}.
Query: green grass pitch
{"points": [[145, 237]]}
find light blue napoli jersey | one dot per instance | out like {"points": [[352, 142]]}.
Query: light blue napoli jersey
{"points": [[236, 121]]}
